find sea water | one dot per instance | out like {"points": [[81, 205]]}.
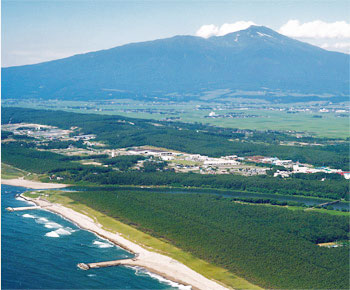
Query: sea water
{"points": [[41, 250]]}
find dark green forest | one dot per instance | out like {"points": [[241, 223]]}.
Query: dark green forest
{"points": [[272, 247], [333, 189], [123, 162], [119, 132]]}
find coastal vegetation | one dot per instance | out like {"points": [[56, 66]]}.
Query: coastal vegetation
{"points": [[23, 156], [149, 242], [271, 247], [8, 172], [123, 162], [332, 189]]}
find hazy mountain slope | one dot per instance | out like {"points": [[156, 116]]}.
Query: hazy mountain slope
{"points": [[250, 59]]}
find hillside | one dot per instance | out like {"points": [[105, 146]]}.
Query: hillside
{"points": [[187, 67]]}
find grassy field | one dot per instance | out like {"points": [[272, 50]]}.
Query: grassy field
{"points": [[10, 172], [153, 244], [330, 125]]}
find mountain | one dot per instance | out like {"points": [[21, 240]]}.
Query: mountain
{"points": [[184, 67]]}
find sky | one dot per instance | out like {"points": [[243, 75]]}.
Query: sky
{"points": [[37, 31]]}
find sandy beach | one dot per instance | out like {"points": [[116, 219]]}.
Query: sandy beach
{"points": [[32, 184], [154, 262]]}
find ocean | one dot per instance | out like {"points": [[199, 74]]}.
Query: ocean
{"points": [[41, 250]]}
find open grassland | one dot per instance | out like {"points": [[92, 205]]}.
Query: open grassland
{"points": [[11, 172], [330, 125], [151, 243]]}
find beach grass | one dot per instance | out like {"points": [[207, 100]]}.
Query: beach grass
{"points": [[10, 172], [206, 269], [32, 194]]}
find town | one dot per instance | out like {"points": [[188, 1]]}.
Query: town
{"points": [[86, 145]]}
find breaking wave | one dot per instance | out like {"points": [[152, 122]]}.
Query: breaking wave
{"points": [[60, 232], [103, 244], [139, 271], [27, 215]]}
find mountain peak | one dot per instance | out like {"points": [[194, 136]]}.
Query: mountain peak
{"points": [[254, 31]]}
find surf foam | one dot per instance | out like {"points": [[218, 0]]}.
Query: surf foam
{"points": [[103, 244], [60, 232], [52, 225], [27, 215], [139, 271], [52, 234]]}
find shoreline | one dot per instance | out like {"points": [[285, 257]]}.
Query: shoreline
{"points": [[21, 182], [153, 262]]}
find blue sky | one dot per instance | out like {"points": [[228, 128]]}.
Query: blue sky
{"points": [[36, 31]]}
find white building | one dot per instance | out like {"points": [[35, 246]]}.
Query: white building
{"points": [[220, 162]]}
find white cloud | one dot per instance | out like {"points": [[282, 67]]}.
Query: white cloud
{"points": [[207, 30], [342, 45], [316, 29], [337, 46], [211, 29]]}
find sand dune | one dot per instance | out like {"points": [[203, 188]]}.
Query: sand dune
{"points": [[32, 184]]}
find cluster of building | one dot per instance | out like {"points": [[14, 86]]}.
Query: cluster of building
{"points": [[185, 162], [179, 161], [37, 131], [294, 167], [46, 132], [230, 115]]}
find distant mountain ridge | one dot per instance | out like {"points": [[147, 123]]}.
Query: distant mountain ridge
{"points": [[186, 67]]}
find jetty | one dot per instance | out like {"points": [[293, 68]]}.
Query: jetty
{"points": [[88, 266], [23, 208]]}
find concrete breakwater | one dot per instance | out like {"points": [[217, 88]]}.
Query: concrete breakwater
{"points": [[88, 266], [23, 208]]}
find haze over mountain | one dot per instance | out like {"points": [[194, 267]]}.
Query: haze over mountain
{"points": [[187, 67]]}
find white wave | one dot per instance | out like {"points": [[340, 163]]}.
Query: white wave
{"points": [[27, 201], [20, 198], [42, 220], [64, 231], [103, 244], [139, 271], [91, 275], [47, 223], [60, 232], [27, 215], [52, 234], [52, 225]]}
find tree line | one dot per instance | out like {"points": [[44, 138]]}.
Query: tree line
{"points": [[269, 246]]}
